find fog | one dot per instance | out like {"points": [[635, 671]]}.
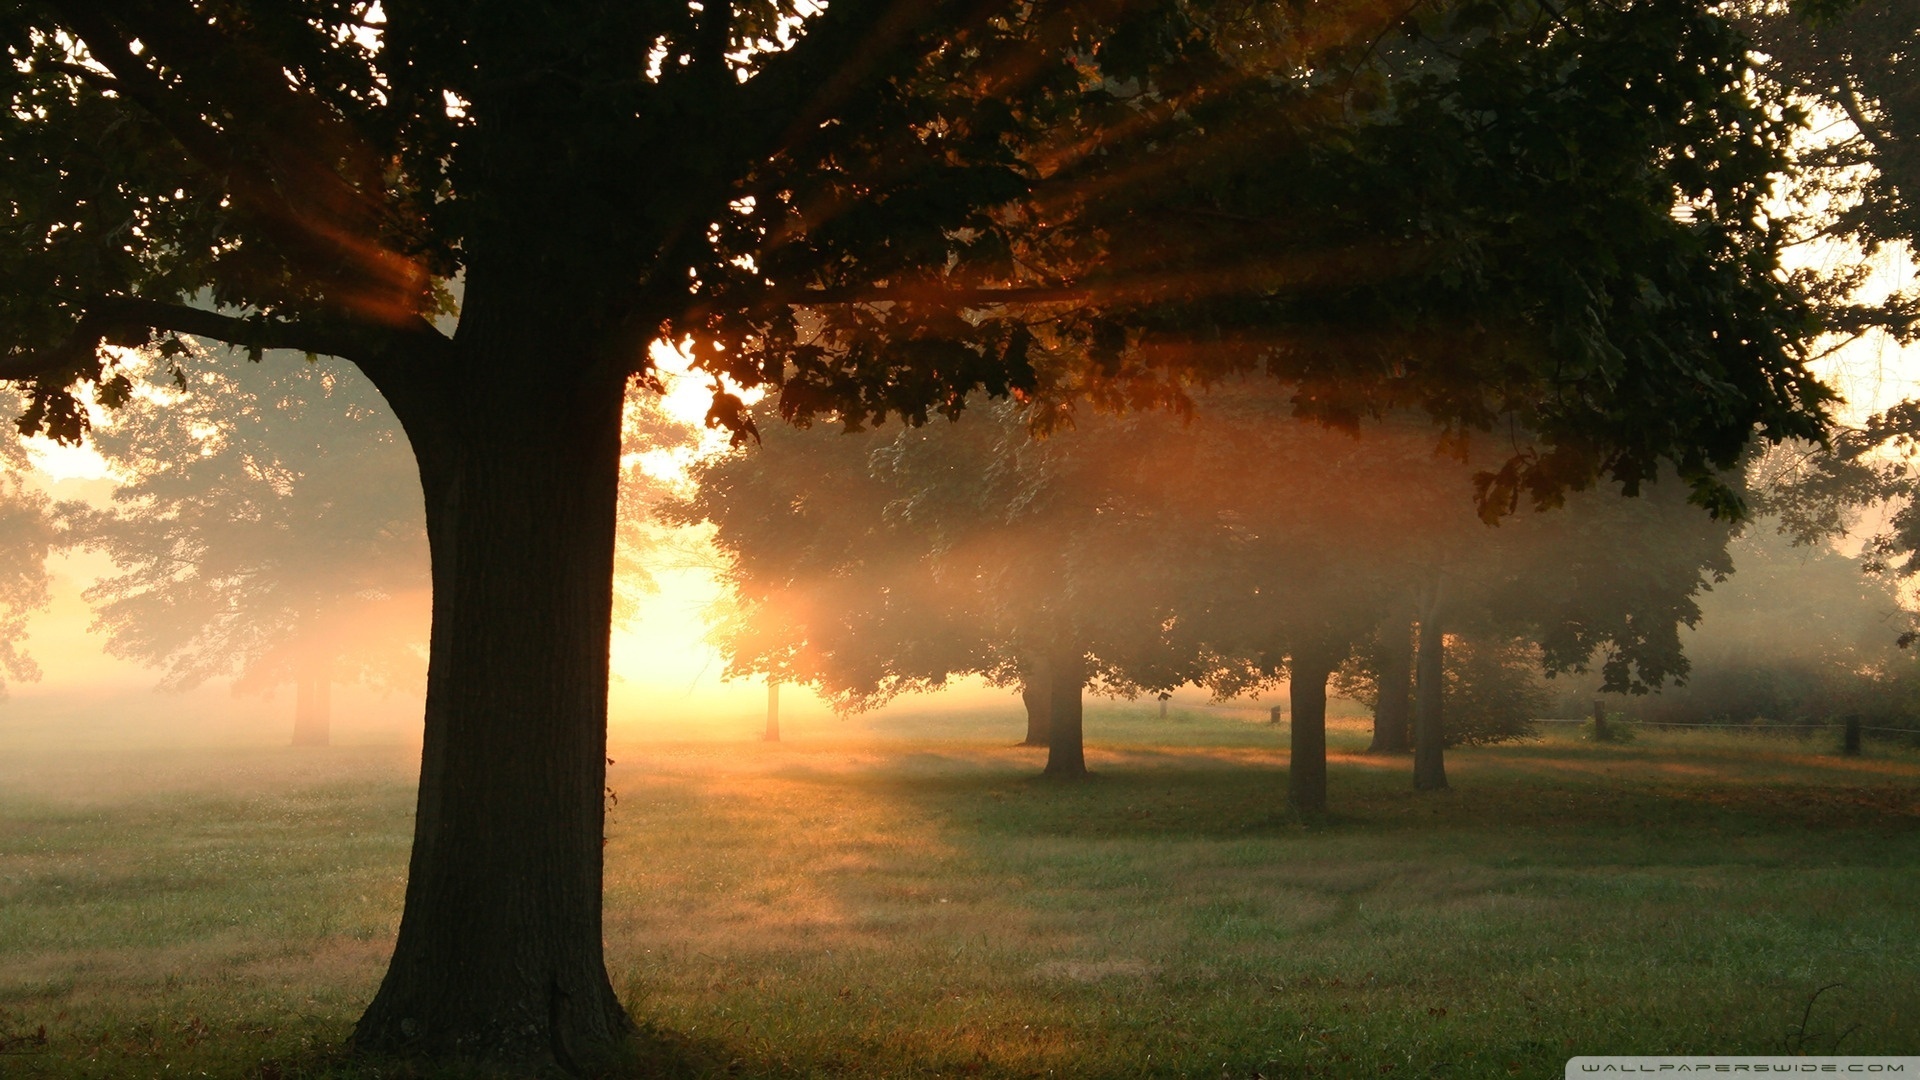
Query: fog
{"points": [[1804, 620]]}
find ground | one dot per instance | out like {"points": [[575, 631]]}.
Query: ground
{"points": [[911, 899]]}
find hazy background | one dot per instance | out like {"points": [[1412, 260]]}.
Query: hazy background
{"points": [[668, 680]]}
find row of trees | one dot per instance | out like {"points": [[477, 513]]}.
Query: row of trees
{"points": [[1233, 549]]}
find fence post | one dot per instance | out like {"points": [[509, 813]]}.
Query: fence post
{"points": [[1850, 742], [1273, 715], [1600, 721]]}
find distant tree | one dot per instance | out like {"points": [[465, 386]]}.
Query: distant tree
{"points": [[1492, 688], [1865, 479], [266, 528], [870, 565], [1799, 634], [1598, 582], [824, 590], [1307, 538], [29, 533], [1350, 543], [1072, 570]]}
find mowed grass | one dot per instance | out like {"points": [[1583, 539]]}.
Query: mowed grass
{"points": [[920, 903]]}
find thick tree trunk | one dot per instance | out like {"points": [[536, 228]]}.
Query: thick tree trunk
{"points": [[1393, 708], [1307, 763], [1429, 737], [499, 957], [1066, 757], [773, 712], [313, 705], [1037, 696]]}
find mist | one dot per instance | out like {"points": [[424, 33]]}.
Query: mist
{"points": [[1186, 550]]}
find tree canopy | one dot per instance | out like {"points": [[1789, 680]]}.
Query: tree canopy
{"points": [[872, 217], [1858, 63], [1235, 550]]}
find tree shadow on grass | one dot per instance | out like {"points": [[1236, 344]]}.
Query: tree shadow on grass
{"points": [[1164, 799], [654, 1053]]}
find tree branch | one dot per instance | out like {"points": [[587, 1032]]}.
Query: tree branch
{"points": [[1850, 102], [99, 79], [792, 92], [383, 353], [1273, 272], [958, 298]]}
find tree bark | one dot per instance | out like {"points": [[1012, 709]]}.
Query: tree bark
{"points": [[1307, 762], [1066, 757], [1393, 707], [499, 957], [773, 712], [313, 705], [1429, 738], [1037, 695]]}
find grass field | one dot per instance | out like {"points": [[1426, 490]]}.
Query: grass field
{"points": [[918, 903]]}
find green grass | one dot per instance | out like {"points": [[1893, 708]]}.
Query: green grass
{"points": [[916, 902]]}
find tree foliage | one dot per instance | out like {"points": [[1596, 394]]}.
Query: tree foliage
{"points": [[1798, 635], [1859, 64], [1470, 212], [1210, 551], [29, 533], [266, 521]]}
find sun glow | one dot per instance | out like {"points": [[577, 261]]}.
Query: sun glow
{"points": [[56, 462], [684, 404], [689, 392]]}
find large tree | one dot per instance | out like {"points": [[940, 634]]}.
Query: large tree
{"points": [[1547, 213]]}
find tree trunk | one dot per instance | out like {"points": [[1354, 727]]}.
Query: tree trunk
{"points": [[773, 712], [1393, 708], [1066, 757], [1429, 738], [1037, 695], [499, 957], [313, 705], [1307, 763]]}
